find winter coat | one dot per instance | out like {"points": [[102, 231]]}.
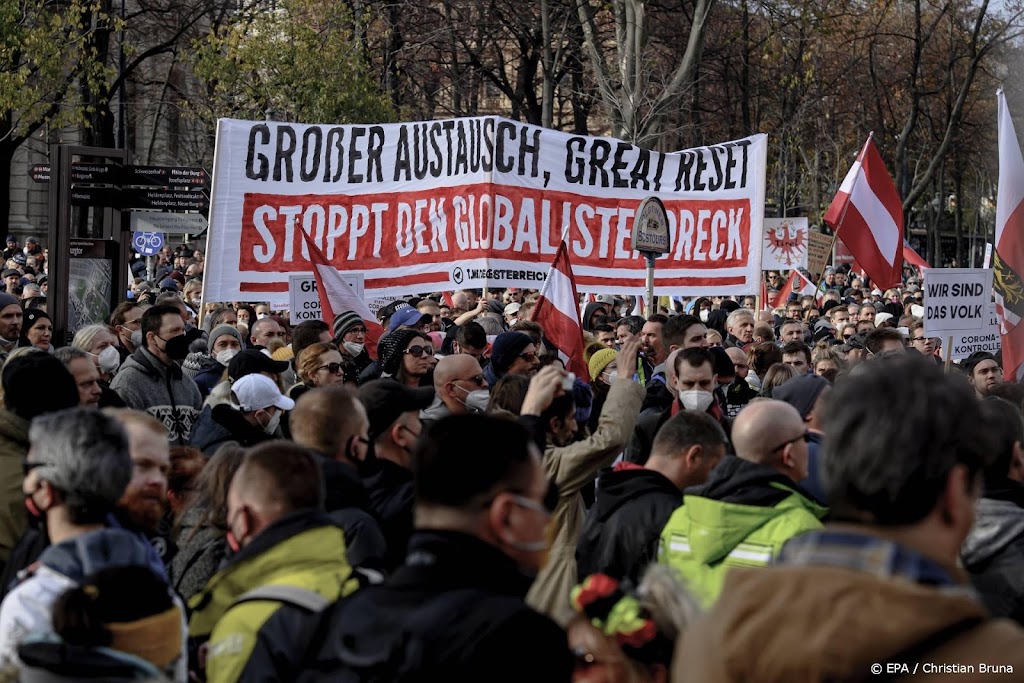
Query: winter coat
{"points": [[434, 412], [649, 423], [391, 499], [209, 376], [993, 552], [620, 536], [460, 600], [201, 549], [589, 310], [571, 468], [741, 517], [13, 450], [348, 503], [222, 423], [47, 659], [144, 383], [27, 608], [303, 550], [838, 604]]}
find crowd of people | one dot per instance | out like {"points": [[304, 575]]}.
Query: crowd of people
{"points": [[200, 490]]}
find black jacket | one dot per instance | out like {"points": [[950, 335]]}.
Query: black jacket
{"points": [[221, 424], [455, 613], [391, 499], [638, 449], [620, 536], [994, 550], [348, 503]]}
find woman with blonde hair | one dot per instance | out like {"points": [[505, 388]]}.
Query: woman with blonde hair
{"points": [[321, 365]]}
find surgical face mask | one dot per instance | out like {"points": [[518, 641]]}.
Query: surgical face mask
{"points": [[109, 360], [261, 316], [612, 376], [696, 400], [137, 338], [353, 348], [271, 427], [704, 315], [225, 356], [476, 401]]}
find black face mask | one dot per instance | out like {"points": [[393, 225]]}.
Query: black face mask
{"points": [[176, 348]]}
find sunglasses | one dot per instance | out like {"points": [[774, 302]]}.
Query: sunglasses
{"points": [[333, 368], [529, 357], [806, 436], [419, 351], [476, 379]]}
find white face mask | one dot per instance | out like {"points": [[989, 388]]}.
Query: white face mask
{"points": [[271, 427], [696, 400], [612, 376], [353, 348], [261, 316], [225, 356], [704, 315], [476, 401], [109, 360]]}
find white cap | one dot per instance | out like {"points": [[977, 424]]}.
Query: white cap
{"points": [[255, 392], [881, 318], [512, 308], [605, 299], [917, 310]]}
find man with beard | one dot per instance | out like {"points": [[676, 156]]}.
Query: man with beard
{"points": [[983, 372], [10, 323]]}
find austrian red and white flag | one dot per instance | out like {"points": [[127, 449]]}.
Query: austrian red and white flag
{"points": [[1008, 259], [913, 258], [796, 282], [556, 312], [337, 296], [867, 215]]}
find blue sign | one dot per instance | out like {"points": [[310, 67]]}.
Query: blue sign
{"points": [[147, 243]]}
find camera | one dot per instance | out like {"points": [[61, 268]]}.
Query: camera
{"points": [[568, 381]]}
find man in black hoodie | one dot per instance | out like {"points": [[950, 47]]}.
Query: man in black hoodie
{"points": [[620, 536]]}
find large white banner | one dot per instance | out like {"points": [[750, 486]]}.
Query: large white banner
{"points": [[444, 205]]}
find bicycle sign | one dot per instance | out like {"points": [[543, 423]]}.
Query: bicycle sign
{"points": [[147, 243]]}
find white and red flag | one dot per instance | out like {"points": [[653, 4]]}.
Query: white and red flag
{"points": [[796, 282], [1008, 259], [556, 312], [337, 296], [867, 215]]}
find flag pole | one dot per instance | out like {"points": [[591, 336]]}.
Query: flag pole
{"points": [[842, 217]]}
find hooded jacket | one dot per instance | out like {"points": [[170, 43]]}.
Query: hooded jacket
{"points": [[209, 376], [26, 609], [304, 550], [993, 552], [830, 613], [620, 536], [201, 549], [13, 449], [572, 468], [589, 311], [222, 423], [460, 602], [741, 517], [144, 383]]}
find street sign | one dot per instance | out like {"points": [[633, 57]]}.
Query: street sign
{"points": [[113, 174], [170, 223], [147, 243], [140, 198], [650, 228]]}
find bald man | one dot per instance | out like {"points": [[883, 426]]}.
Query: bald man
{"points": [[749, 507], [455, 378], [738, 393]]}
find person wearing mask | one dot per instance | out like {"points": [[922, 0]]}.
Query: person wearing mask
{"points": [[78, 468], [10, 323], [604, 370], [151, 379], [125, 323], [252, 417], [287, 555], [754, 498], [224, 343], [621, 534], [458, 383], [36, 330], [455, 608], [350, 333], [100, 343], [87, 377]]}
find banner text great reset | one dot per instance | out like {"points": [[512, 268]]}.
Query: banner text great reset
{"points": [[446, 205]]}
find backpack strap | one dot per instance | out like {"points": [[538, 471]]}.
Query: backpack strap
{"points": [[311, 601]]}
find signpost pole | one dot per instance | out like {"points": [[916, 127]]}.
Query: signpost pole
{"points": [[651, 308], [651, 237], [949, 353]]}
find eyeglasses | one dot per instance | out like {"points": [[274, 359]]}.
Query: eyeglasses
{"points": [[529, 357], [546, 507], [333, 368], [476, 379], [806, 436], [921, 339], [27, 466], [357, 330], [419, 351]]}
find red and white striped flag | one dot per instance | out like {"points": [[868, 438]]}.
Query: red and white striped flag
{"points": [[1008, 259], [557, 314], [796, 282], [867, 215], [765, 304], [337, 296], [913, 258]]}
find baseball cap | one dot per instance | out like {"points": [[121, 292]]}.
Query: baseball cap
{"points": [[512, 308], [255, 392], [410, 317], [251, 361], [605, 299], [385, 400], [391, 309], [9, 272]]}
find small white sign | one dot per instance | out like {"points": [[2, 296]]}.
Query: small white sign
{"points": [[171, 223], [304, 301], [650, 228], [988, 256], [956, 300], [987, 339], [784, 245]]}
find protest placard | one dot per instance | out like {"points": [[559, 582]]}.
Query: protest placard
{"points": [[986, 339], [446, 205], [784, 246], [819, 248], [304, 301], [956, 300]]}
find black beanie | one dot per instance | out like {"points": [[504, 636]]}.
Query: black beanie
{"points": [[506, 347]]}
